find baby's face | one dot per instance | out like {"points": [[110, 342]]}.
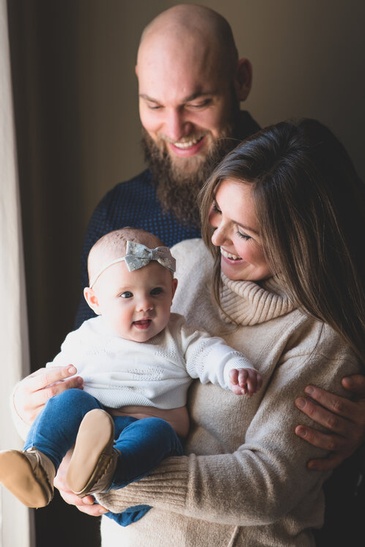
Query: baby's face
{"points": [[136, 305]]}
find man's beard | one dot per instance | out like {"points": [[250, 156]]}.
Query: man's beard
{"points": [[178, 184]]}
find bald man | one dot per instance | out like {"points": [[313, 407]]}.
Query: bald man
{"points": [[191, 84]]}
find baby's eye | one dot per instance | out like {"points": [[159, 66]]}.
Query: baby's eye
{"points": [[126, 294], [156, 291]]}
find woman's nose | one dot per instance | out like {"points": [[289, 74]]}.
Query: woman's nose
{"points": [[219, 236]]}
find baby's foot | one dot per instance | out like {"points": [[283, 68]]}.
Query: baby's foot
{"points": [[28, 475], [94, 459]]}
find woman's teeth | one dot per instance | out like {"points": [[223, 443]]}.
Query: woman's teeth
{"points": [[230, 256]]}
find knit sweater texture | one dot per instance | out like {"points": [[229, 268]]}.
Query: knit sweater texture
{"points": [[243, 481], [156, 373]]}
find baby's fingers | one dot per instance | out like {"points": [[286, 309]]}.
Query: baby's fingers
{"points": [[254, 381]]}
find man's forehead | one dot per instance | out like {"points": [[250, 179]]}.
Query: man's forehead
{"points": [[179, 82], [176, 52]]}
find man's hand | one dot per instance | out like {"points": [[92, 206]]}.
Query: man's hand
{"points": [[343, 419], [86, 504], [32, 393]]}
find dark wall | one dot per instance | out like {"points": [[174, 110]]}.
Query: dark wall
{"points": [[78, 131]]}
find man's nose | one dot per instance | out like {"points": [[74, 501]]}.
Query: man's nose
{"points": [[177, 126]]}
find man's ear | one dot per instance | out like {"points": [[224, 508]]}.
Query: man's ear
{"points": [[243, 79], [92, 300]]}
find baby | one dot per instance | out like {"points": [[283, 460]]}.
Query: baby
{"points": [[137, 360]]}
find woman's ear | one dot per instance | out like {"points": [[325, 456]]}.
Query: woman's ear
{"points": [[92, 300], [243, 79]]}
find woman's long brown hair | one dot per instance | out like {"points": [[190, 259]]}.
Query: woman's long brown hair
{"points": [[310, 204]]}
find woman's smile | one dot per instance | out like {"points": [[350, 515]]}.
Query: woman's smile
{"points": [[229, 256], [237, 232]]}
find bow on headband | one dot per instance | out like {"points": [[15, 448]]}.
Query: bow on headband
{"points": [[137, 256]]}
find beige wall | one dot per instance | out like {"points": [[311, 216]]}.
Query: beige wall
{"points": [[77, 119]]}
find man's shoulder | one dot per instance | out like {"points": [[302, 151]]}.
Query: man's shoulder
{"points": [[247, 125], [126, 203], [140, 183]]}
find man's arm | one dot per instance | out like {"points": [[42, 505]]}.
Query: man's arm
{"points": [[344, 420]]}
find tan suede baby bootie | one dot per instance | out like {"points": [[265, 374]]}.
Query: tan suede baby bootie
{"points": [[94, 459], [28, 475]]}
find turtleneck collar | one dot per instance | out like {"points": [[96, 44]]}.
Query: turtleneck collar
{"points": [[247, 303]]}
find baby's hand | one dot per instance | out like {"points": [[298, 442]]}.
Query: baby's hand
{"points": [[245, 381]]}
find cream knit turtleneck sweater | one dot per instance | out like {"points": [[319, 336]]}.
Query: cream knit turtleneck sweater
{"points": [[244, 480]]}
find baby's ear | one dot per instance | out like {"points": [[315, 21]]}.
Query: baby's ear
{"points": [[92, 299], [174, 286]]}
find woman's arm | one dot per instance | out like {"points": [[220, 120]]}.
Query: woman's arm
{"points": [[343, 419], [31, 394], [258, 473], [86, 504]]}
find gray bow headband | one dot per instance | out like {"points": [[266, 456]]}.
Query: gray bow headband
{"points": [[138, 255]]}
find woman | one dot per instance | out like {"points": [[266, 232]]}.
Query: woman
{"points": [[283, 216]]}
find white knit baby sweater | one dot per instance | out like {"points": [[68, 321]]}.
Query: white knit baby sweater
{"points": [[156, 373], [244, 481]]}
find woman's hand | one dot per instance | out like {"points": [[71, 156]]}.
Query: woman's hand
{"points": [[86, 504], [343, 419], [32, 393]]}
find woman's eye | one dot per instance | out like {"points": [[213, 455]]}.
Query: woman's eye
{"points": [[243, 236], [215, 208], [126, 294], [156, 291]]}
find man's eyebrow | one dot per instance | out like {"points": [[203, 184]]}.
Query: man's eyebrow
{"points": [[147, 98], [187, 99]]}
